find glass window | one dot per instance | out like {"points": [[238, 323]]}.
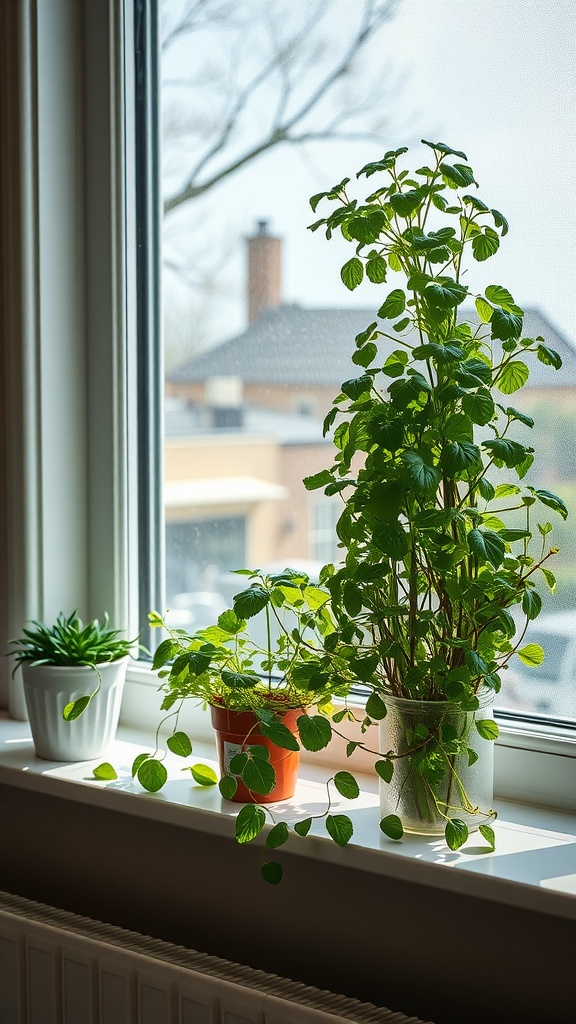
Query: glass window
{"points": [[265, 103]]}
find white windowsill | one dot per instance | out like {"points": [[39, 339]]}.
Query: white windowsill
{"points": [[534, 865]]}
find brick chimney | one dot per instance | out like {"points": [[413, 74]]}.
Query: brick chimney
{"points": [[264, 271]]}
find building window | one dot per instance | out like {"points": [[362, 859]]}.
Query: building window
{"points": [[323, 539]]}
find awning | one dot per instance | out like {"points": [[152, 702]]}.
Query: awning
{"points": [[222, 490]]}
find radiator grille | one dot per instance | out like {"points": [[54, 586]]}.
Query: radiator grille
{"points": [[60, 968]]}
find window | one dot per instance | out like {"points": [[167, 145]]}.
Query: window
{"points": [[70, 529], [250, 293]]}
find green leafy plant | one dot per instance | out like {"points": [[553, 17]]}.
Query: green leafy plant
{"points": [[225, 667], [71, 642], [428, 464]]}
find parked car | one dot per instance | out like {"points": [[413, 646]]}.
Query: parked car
{"points": [[549, 689]]}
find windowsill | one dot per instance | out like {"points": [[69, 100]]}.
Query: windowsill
{"points": [[533, 867]]}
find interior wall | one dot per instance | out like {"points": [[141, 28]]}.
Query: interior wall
{"points": [[437, 955]]}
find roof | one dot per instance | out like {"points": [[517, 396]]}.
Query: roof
{"points": [[300, 347]]}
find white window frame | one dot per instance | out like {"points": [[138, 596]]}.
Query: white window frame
{"points": [[68, 523]]}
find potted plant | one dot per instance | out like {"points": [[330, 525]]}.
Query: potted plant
{"points": [[267, 700], [441, 533], [65, 667]]}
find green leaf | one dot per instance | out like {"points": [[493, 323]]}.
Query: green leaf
{"points": [[303, 827], [204, 775], [385, 769], [500, 221], [394, 305], [251, 601], [479, 406], [487, 728], [441, 147], [531, 655], [277, 835], [485, 244], [346, 785], [548, 356], [551, 501], [271, 872], [321, 479], [164, 652], [458, 174], [352, 598], [258, 750], [259, 776], [229, 622], [105, 771], [249, 823], [152, 775], [405, 203], [73, 710], [376, 708], [456, 833], [488, 833], [484, 310], [506, 490], [505, 325], [487, 546], [376, 269], [512, 377], [365, 355], [511, 453], [315, 731], [352, 273], [239, 680], [238, 763], [391, 826], [179, 744], [228, 786], [422, 474], [472, 756], [279, 734], [500, 296], [137, 762], [357, 386], [531, 604], [550, 578], [458, 456], [339, 828]]}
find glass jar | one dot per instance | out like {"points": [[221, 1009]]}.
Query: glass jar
{"points": [[443, 766]]}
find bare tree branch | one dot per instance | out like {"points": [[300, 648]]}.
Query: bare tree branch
{"points": [[285, 60]]}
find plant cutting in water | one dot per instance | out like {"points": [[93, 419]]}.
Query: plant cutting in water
{"points": [[441, 532]]}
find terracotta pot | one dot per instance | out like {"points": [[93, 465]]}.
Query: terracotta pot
{"points": [[236, 730]]}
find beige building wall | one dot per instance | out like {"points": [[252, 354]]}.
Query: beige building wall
{"points": [[227, 457]]}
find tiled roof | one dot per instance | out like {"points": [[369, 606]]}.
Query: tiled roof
{"points": [[312, 347]]}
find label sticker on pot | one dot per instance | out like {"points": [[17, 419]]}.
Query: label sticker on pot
{"points": [[230, 751]]}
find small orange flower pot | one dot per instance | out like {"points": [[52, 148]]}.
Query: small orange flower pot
{"points": [[236, 730]]}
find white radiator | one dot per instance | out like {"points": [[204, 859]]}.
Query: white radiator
{"points": [[58, 968]]}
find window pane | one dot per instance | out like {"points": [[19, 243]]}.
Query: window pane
{"points": [[258, 115]]}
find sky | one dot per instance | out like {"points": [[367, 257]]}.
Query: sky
{"points": [[496, 79]]}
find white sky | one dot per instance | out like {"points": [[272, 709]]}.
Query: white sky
{"points": [[496, 79]]}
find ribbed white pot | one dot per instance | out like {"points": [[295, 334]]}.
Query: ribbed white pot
{"points": [[49, 688]]}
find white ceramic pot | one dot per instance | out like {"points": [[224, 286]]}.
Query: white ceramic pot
{"points": [[49, 688]]}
